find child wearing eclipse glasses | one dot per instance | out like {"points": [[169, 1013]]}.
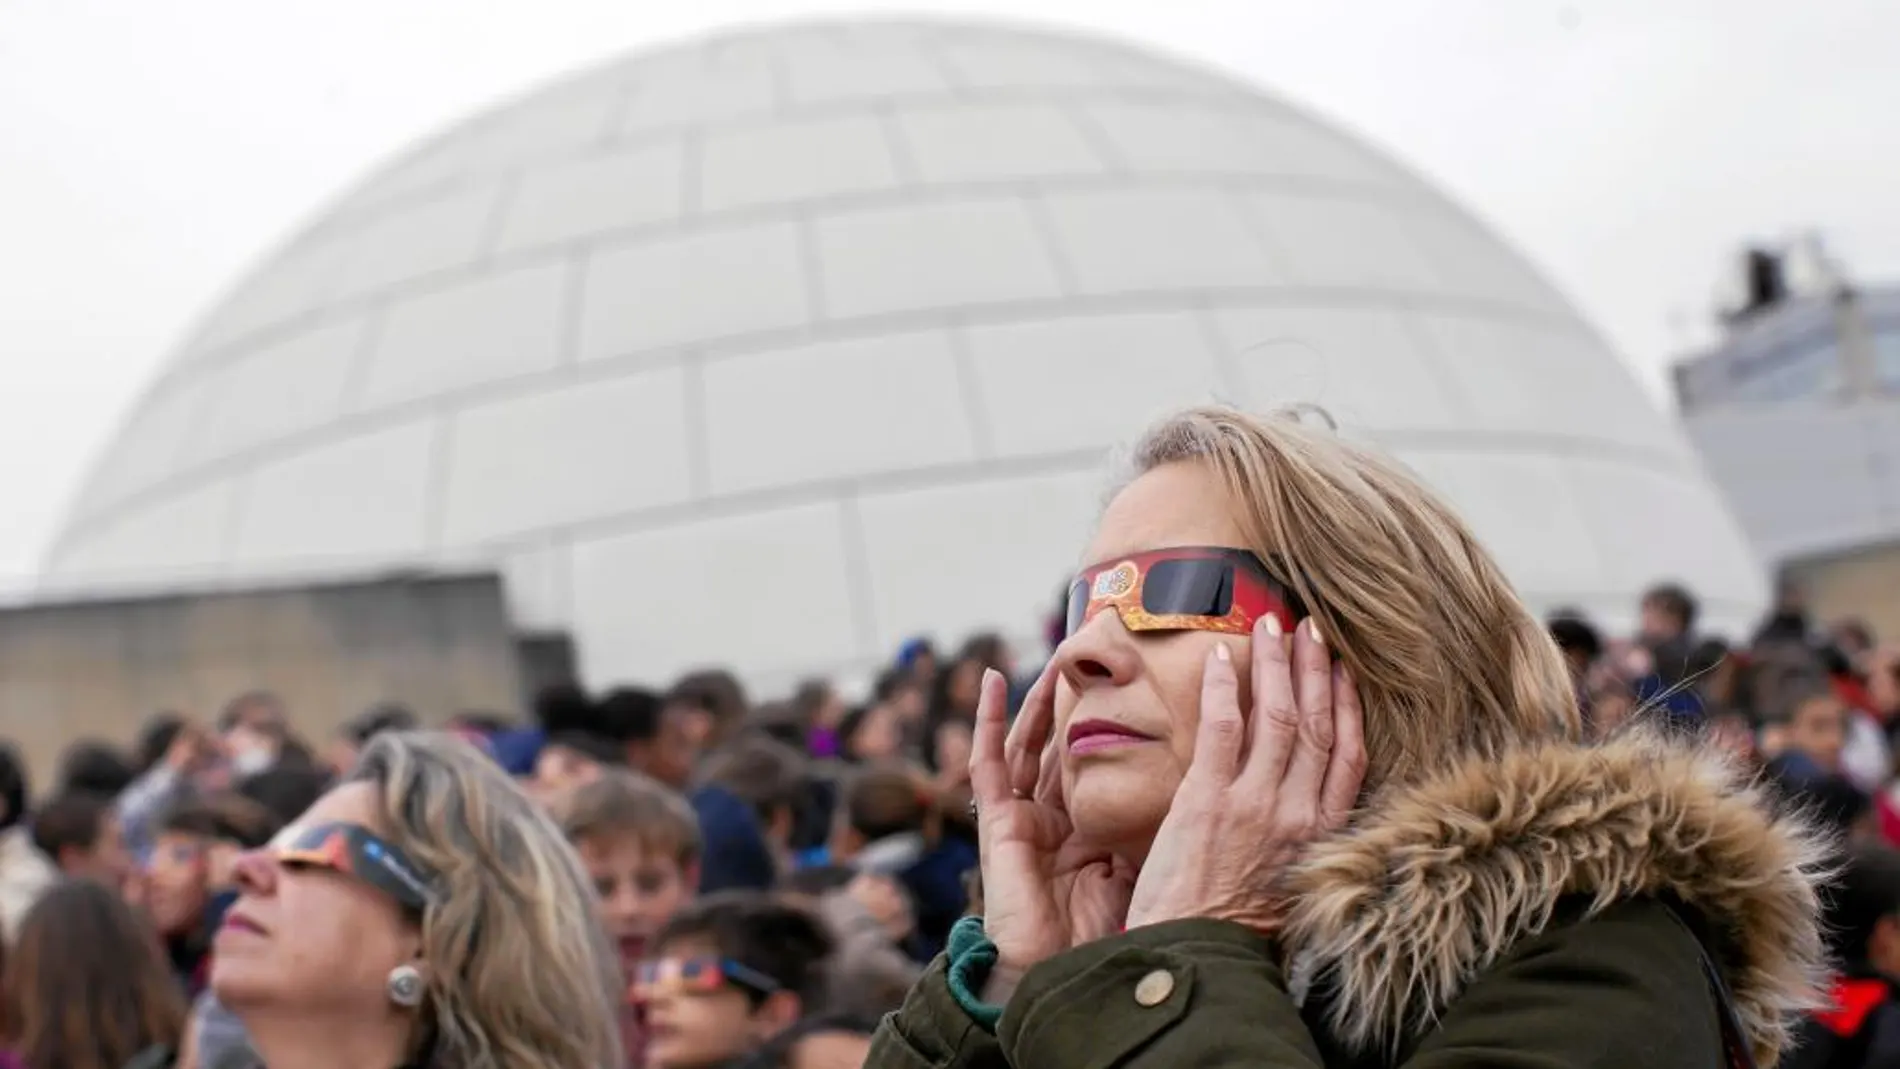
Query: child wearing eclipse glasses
{"points": [[640, 842], [726, 977], [187, 883]]}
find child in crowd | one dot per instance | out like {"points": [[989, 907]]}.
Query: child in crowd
{"points": [[189, 882], [881, 827], [640, 843], [817, 710], [1804, 737], [576, 748], [738, 979], [80, 833], [889, 825], [641, 846], [656, 741], [709, 706], [907, 696], [870, 733], [628, 728], [771, 779]]}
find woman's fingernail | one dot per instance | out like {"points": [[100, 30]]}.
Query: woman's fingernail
{"points": [[987, 673], [1221, 652], [1312, 629], [1273, 624]]}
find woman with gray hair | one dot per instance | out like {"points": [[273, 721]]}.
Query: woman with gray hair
{"points": [[423, 914]]}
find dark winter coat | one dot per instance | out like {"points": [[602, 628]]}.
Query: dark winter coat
{"points": [[1549, 910]]}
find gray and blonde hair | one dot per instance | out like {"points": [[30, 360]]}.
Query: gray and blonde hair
{"points": [[1448, 660], [520, 975]]}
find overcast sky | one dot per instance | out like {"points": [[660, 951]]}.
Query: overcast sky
{"points": [[149, 151]]}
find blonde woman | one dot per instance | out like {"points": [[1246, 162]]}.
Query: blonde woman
{"points": [[424, 913], [1305, 786]]}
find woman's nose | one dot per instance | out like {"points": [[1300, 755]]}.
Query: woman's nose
{"points": [[255, 872], [1101, 653]]}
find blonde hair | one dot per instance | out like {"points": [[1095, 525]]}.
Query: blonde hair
{"points": [[520, 976], [1447, 659]]}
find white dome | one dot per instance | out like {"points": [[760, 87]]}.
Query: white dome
{"points": [[779, 346]]}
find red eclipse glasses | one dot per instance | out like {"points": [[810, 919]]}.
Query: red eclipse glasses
{"points": [[1187, 588], [696, 976]]}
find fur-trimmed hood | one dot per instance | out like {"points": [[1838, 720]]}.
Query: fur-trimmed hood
{"points": [[1435, 881]]}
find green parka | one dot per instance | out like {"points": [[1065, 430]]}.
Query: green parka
{"points": [[1550, 910]]}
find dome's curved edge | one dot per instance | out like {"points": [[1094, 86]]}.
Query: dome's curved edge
{"points": [[471, 120]]}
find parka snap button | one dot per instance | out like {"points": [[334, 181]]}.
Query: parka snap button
{"points": [[1155, 988]]}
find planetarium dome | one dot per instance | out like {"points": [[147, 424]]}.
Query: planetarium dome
{"points": [[776, 347]]}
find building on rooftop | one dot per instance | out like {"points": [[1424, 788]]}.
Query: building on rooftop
{"points": [[1796, 411]]}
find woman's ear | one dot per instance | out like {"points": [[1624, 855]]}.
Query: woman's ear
{"points": [[779, 1011], [417, 963]]}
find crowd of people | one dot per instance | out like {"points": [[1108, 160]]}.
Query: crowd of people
{"points": [[1814, 710], [770, 878], [1406, 821]]}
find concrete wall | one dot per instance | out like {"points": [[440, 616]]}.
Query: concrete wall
{"points": [[1863, 584], [68, 671]]}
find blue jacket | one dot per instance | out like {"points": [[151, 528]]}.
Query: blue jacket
{"points": [[734, 854]]}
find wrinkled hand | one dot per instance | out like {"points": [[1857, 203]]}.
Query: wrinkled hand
{"points": [[1043, 891], [1251, 799]]}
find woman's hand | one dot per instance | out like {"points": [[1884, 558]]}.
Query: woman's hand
{"points": [[1043, 891], [1251, 799]]}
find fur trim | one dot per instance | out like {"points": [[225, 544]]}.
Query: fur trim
{"points": [[1436, 881]]}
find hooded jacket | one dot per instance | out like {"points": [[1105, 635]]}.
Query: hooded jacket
{"points": [[1559, 907]]}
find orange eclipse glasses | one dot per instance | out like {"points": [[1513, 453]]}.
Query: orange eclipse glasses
{"points": [[1186, 588]]}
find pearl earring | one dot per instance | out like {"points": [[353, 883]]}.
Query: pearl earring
{"points": [[405, 986]]}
